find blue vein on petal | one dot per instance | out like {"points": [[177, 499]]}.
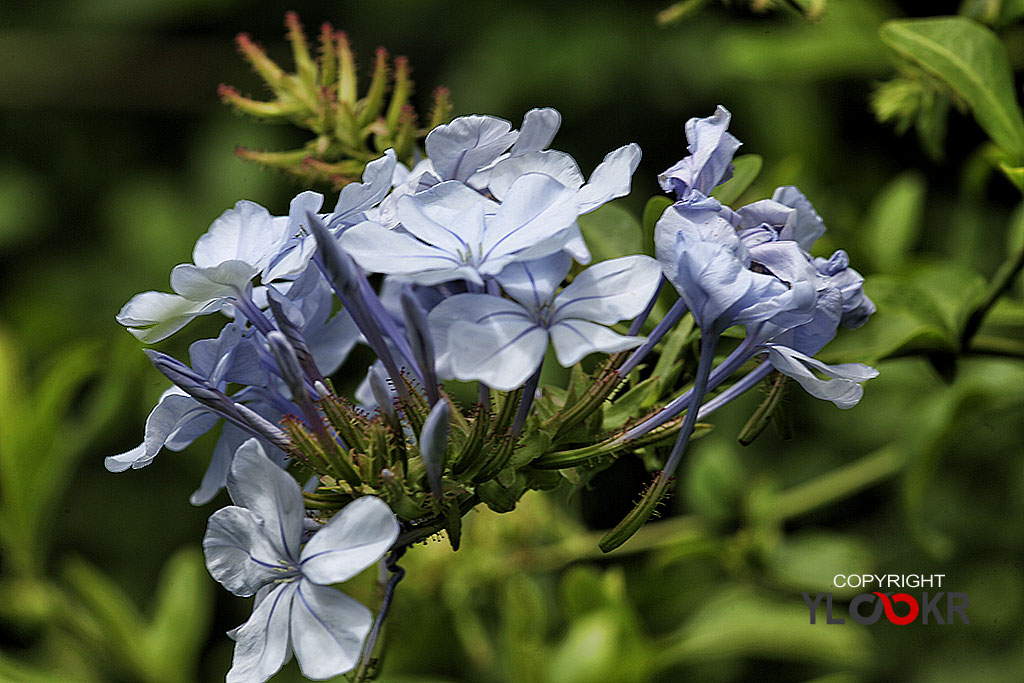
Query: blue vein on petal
{"points": [[514, 231], [316, 617], [249, 555], [513, 341], [266, 626], [336, 550]]}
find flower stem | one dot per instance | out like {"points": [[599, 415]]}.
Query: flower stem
{"points": [[636, 518], [367, 662]]}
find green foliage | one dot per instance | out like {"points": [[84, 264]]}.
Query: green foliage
{"points": [[972, 62]]}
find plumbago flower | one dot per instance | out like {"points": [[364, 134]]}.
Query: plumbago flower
{"points": [[253, 548], [473, 250], [746, 267], [502, 342]]}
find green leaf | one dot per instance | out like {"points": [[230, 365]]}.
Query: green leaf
{"points": [[972, 61], [741, 622], [611, 231], [808, 561], [745, 171], [655, 206], [181, 617], [893, 222]]}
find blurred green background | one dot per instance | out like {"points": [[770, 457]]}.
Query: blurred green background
{"points": [[117, 154]]}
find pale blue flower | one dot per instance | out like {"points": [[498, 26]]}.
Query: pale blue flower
{"points": [[451, 232], [253, 548], [501, 342], [709, 163]]}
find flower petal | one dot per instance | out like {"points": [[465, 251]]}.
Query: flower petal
{"points": [[379, 250], [174, 411], [573, 339], [487, 338], [153, 316], [246, 233], [610, 291], [258, 484], [558, 165], [612, 178], [350, 542], [358, 197], [239, 554], [538, 130], [262, 644], [533, 283], [536, 207], [460, 148], [843, 389], [205, 284], [328, 630]]}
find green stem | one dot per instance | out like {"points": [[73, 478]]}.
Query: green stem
{"points": [[638, 515], [839, 483], [1001, 283]]}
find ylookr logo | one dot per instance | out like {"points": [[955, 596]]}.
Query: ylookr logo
{"points": [[932, 607]]}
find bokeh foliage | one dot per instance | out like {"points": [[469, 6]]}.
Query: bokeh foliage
{"points": [[118, 154]]}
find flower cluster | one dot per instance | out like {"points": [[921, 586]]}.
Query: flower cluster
{"points": [[467, 266]]}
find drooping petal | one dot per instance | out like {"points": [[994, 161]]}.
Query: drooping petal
{"points": [[174, 410], [224, 280], [350, 542], [843, 389], [533, 283], [153, 316], [612, 178], [246, 233], [239, 554], [610, 291], [458, 149], [812, 336], [573, 339], [327, 630], [263, 644], [259, 485], [538, 130]]}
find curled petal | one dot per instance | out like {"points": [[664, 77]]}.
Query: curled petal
{"points": [[205, 284], [153, 316], [356, 198], [174, 413], [843, 389], [354, 539]]}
